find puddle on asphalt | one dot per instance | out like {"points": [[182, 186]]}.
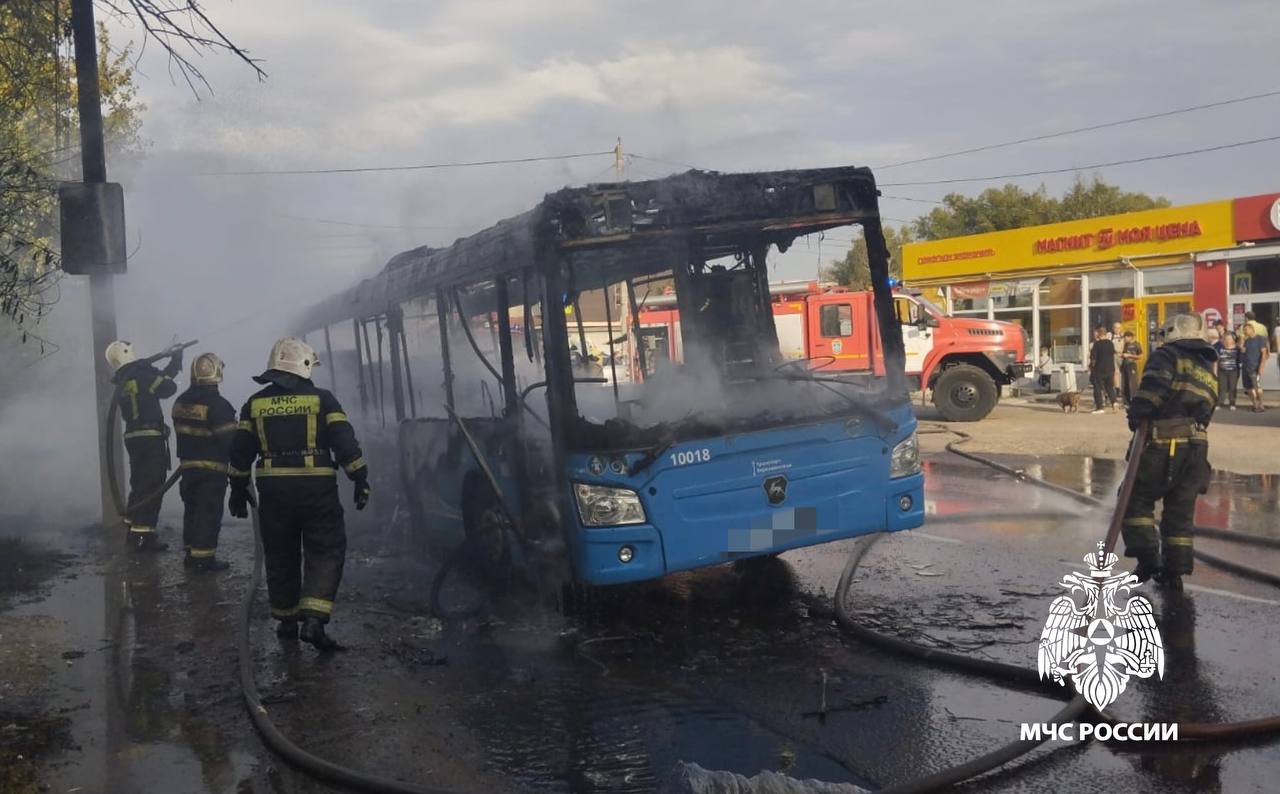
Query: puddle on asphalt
{"points": [[578, 731], [620, 712], [1243, 502]]}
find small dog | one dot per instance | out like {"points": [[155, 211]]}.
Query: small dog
{"points": [[1069, 401]]}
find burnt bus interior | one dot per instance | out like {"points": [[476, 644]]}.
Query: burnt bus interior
{"points": [[488, 329]]}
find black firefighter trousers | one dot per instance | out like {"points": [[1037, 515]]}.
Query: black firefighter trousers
{"points": [[204, 492], [148, 468], [305, 543], [1175, 471]]}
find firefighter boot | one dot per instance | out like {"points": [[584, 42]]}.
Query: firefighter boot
{"points": [[313, 632], [1147, 567], [147, 542], [1169, 581], [204, 564], [287, 629]]}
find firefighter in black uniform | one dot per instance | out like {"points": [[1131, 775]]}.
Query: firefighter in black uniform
{"points": [[204, 423], [140, 388], [1177, 397], [300, 436]]}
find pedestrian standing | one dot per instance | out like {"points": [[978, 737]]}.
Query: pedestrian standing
{"points": [[1129, 356], [299, 436], [1253, 358], [1044, 368], [204, 423], [140, 388], [1259, 329], [1228, 370], [1102, 370], [1177, 397], [1117, 339]]}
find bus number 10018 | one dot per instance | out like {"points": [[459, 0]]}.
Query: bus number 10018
{"points": [[691, 456]]}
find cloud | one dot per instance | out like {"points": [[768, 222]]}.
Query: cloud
{"points": [[639, 83]]}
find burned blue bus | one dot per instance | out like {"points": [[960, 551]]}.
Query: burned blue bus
{"points": [[536, 420]]}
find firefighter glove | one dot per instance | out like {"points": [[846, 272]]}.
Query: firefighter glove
{"points": [[362, 492], [175, 364], [238, 504]]}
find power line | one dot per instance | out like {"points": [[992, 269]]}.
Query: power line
{"points": [[1090, 128], [424, 167], [909, 198], [1147, 159], [666, 162]]}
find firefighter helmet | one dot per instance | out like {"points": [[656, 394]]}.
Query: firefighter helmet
{"points": [[294, 356], [206, 370], [120, 353], [1184, 326]]}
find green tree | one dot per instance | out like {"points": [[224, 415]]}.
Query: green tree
{"points": [[1011, 207], [39, 140], [1095, 198], [993, 210], [854, 270], [39, 137]]}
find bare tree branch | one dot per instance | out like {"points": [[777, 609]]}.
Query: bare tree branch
{"points": [[184, 31]]}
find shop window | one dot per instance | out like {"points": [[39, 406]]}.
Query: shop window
{"points": [[836, 320], [1023, 318], [1166, 280], [1013, 294], [1060, 291], [1060, 332], [970, 298], [1255, 276], [1102, 317], [1113, 286]]}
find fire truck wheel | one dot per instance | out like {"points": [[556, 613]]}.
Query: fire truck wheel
{"points": [[964, 393]]}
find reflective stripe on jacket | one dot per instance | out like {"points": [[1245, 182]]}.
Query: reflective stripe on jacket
{"points": [[293, 428]]}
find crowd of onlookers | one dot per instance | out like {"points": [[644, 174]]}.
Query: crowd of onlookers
{"points": [[1243, 353]]}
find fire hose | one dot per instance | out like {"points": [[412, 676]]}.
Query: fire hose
{"points": [[1076, 708], [1007, 672], [272, 736]]}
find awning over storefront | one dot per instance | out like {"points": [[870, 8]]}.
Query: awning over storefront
{"points": [[1142, 239]]}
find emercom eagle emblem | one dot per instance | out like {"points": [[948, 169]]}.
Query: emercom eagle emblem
{"points": [[1094, 639]]}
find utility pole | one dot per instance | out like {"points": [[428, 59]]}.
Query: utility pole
{"points": [[618, 162], [93, 159]]}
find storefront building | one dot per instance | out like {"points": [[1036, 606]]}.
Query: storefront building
{"points": [[1059, 280]]}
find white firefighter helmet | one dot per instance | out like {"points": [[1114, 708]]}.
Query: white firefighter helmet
{"points": [[120, 353], [1184, 326], [294, 356], [206, 370]]}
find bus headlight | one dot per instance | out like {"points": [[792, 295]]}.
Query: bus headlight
{"points": [[602, 506], [905, 458]]}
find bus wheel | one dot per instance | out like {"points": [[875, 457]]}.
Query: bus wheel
{"points": [[488, 530], [964, 393]]}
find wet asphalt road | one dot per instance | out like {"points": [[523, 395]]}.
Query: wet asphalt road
{"points": [[713, 667]]}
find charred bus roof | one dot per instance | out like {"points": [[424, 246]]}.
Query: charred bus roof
{"points": [[609, 229]]}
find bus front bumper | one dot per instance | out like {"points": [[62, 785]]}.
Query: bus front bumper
{"points": [[616, 555]]}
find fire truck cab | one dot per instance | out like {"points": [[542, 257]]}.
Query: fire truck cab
{"points": [[962, 362]]}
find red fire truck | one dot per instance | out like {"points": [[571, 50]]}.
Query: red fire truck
{"points": [[964, 362]]}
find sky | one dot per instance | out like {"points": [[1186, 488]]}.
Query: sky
{"points": [[718, 85]]}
